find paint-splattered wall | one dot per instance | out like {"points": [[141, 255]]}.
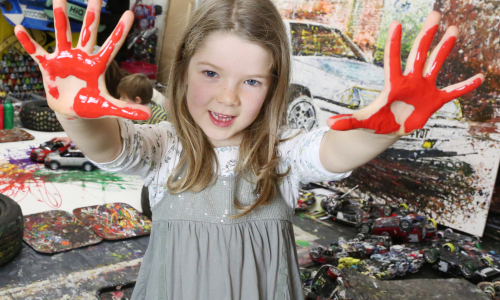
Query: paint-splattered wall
{"points": [[448, 168]]}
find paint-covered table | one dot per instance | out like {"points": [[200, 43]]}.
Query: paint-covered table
{"points": [[38, 189]]}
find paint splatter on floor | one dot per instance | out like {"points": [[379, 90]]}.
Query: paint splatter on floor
{"points": [[14, 135], [20, 177], [114, 221], [56, 231]]}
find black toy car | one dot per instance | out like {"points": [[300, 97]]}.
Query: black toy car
{"points": [[351, 210], [456, 258]]}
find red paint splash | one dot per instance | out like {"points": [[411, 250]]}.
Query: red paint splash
{"points": [[25, 40], [89, 19], [54, 92], [75, 62], [18, 179], [413, 89]]}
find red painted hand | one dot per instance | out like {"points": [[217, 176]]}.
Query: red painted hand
{"points": [[408, 100], [74, 78]]}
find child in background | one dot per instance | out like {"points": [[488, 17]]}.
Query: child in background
{"points": [[137, 88], [223, 178]]}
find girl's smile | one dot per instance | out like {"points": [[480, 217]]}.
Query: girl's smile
{"points": [[228, 80], [220, 119]]}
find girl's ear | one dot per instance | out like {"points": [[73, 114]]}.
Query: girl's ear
{"points": [[138, 100]]}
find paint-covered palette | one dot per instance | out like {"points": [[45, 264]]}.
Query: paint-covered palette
{"points": [[56, 231], [114, 221], [14, 135]]}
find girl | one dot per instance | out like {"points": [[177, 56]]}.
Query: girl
{"points": [[222, 178]]}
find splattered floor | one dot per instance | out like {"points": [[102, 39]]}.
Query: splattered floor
{"points": [[79, 273]]}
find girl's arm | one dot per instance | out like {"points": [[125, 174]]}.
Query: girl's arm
{"points": [[74, 81], [405, 104], [99, 139]]}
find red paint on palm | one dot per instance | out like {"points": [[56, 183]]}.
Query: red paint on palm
{"points": [[88, 102], [89, 19], [54, 92], [413, 89], [25, 40]]}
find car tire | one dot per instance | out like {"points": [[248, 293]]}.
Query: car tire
{"points": [[365, 229], [54, 165], [360, 236], [405, 225], [440, 234], [431, 255], [146, 206], [387, 211], [468, 269], [88, 167], [37, 115], [11, 229], [301, 113]]}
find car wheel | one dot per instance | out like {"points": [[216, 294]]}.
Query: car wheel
{"points": [[88, 167], [365, 229], [405, 225], [387, 211], [54, 165], [440, 234], [449, 230], [431, 255], [360, 236], [301, 114], [11, 229], [468, 269]]}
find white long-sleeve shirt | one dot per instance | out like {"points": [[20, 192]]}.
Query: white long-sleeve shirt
{"points": [[153, 151]]}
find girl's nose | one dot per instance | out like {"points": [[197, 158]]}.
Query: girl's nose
{"points": [[228, 96]]}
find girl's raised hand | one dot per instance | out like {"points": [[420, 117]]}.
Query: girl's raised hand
{"points": [[74, 78], [408, 100]]}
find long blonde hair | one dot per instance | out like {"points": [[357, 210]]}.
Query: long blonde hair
{"points": [[259, 22]]}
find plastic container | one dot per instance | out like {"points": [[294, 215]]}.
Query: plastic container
{"points": [[145, 68], [1, 116], [8, 115]]}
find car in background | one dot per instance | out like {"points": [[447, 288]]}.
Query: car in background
{"points": [[331, 75], [69, 158], [39, 154]]}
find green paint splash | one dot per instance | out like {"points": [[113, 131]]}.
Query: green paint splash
{"points": [[97, 178]]}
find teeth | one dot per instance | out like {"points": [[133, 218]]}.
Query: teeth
{"points": [[222, 118]]}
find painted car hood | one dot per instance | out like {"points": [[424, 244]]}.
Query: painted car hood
{"points": [[356, 73]]}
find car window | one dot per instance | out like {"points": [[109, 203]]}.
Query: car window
{"points": [[314, 40], [66, 154], [79, 154]]}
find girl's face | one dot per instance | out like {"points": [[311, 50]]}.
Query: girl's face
{"points": [[228, 79]]}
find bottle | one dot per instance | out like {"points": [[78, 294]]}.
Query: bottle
{"points": [[1, 116], [8, 115]]}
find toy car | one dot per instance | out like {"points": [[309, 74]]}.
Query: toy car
{"points": [[68, 158], [456, 259], [39, 154], [306, 200], [411, 228], [327, 284], [354, 211]]}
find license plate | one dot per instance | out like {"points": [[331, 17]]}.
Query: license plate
{"points": [[340, 215]]}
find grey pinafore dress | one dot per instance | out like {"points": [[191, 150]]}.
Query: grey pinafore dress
{"points": [[196, 251]]}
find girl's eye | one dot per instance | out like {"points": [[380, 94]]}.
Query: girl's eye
{"points": [[210, 73], [252, 82]]}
